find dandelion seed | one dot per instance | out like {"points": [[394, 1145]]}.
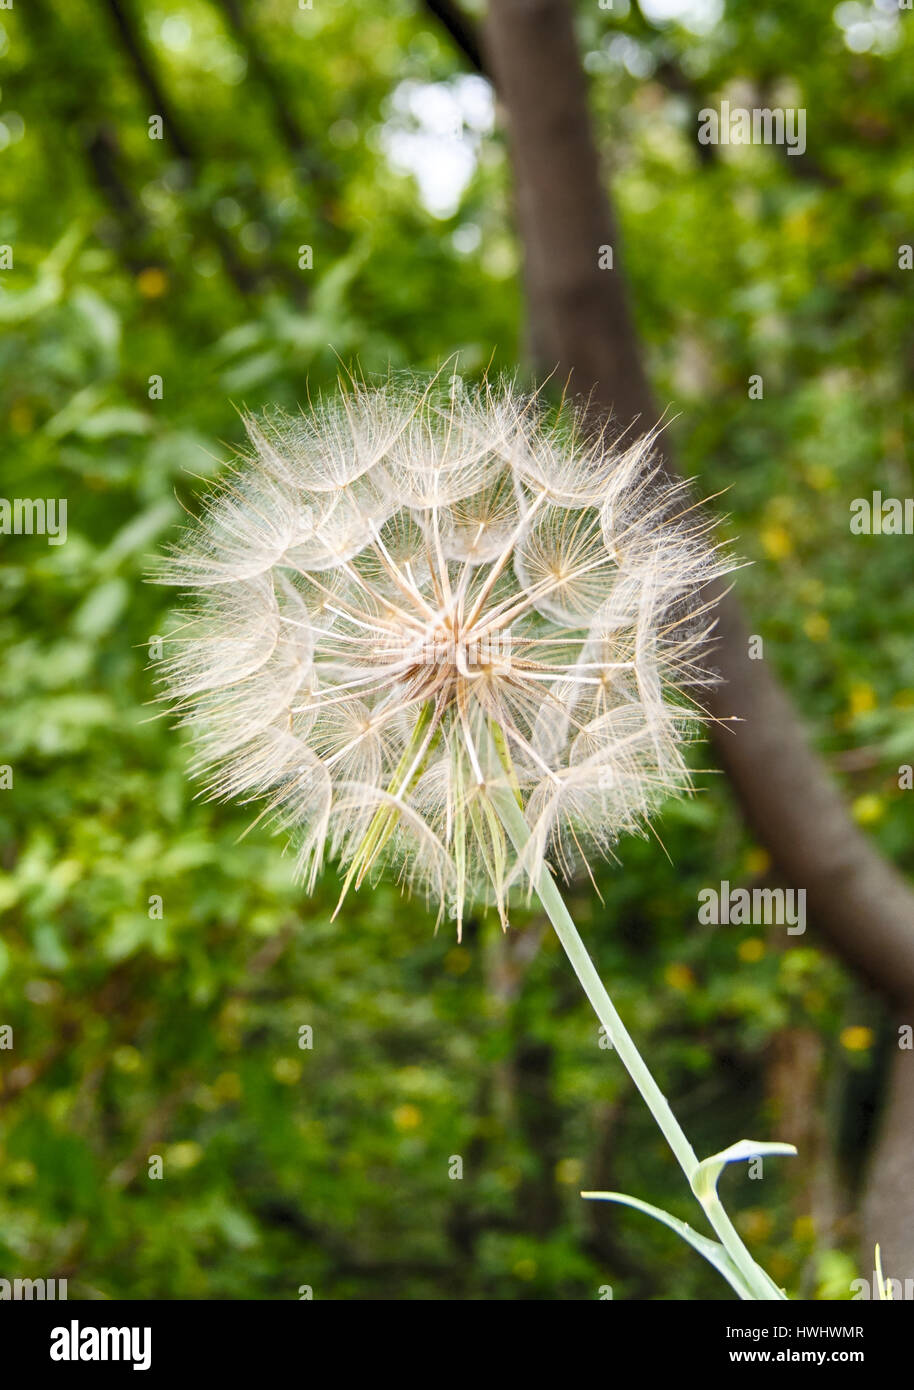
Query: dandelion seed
{"points": [[411, 599]]}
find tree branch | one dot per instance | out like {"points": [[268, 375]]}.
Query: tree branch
{"points": [[241, 275], [148, 79], [461, 28], [308, 161]]}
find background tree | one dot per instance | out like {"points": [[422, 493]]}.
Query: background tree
{"points": [[177, 1034]]}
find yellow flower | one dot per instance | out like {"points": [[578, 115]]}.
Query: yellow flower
{"points": [[776, 541], [862, 698], [21, 1172], [868, 809], [804, 1229], [407, 1117], [857, 1038], [820, 477], [127, 1059], [228, 1086], [752, 949], [800, 226], [817, 627], [152, 282], [185, 1154], [757, 860], [679, 977], [287, 1070], [569, 1170]]}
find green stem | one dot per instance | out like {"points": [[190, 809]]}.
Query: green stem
{"points": [[518, 830]]}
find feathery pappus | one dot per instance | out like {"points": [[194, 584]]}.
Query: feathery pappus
{"points": [[419, 595]]}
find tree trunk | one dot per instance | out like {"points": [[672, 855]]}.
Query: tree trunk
{"points": [[888, 1204], [858, 902]]}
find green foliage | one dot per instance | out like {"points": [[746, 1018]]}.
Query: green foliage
{"points": [[139, 1034]]}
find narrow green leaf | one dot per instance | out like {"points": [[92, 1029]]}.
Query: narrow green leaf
{"points": [[704, 1183], [712, 1250]]}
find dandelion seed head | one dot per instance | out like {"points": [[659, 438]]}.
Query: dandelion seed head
{"points": [[414, 598]]}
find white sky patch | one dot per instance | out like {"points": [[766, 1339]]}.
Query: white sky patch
{"points": [[635, 57], [869, 28], [434, 132], [176, 33], [700, 16]]}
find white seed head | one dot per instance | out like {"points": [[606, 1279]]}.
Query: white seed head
{"points": [[414, 599]]}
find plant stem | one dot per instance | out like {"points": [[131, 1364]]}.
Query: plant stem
{"points": [[518, 830]]}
